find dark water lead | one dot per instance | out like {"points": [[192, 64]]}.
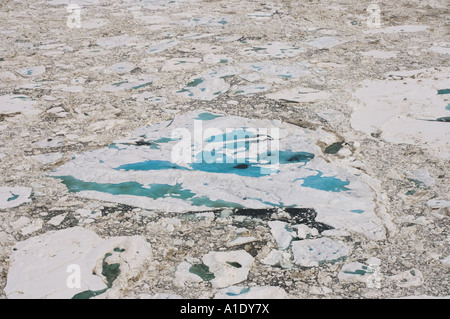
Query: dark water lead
{"points": [[298, 215]]}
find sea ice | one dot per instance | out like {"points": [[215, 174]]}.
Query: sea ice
{"points": [[14, 196], [47, 266], [145, 171], [314, 252]]}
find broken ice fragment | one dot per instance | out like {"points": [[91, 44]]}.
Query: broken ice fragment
{"points": [[278, 258], [315, 252], [205, 88], [57, 220], [129, 85], [10, 104], [380, 54], [397, 29], [110, 272], [161, 46], [282, 233], [121, 67], [408, 278], [241, 237], [203, 21], [49, 158], [268, 68], [355, 272], [50, 142], [422, 177], [198, 273], [324, 42], [115, 41], [251, 89], [228, 267], [305, 232], [274, 49], [438, 203], [14, 196], [299, 95], [32, 71], [177, 64]]}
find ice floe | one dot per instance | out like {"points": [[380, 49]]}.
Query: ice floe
{"points": [[222, 269], [121, 67], [282, 233], [131, 84], [73, 263], [177, 64], [32, 71], [409, 107], [278, 258], [380, 54], [442, 48], [299, 95], [398, 29], [251, 89], [163, 167], [14, 196], [408, 278], [324, 42], [241, 236], [315, 252], [213, 82], [358, 272], [202, 21], [10, 104], [161, 46], [116, 41], [438, 203], [229, 268], [273, 50]]}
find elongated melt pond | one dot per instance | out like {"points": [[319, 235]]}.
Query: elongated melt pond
{"points": [[154, 191]]}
